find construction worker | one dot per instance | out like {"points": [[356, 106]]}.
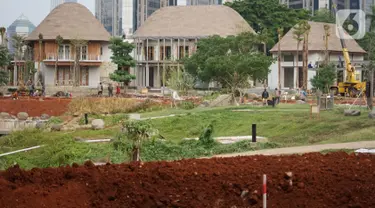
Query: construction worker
{"points": [[265, 97]]}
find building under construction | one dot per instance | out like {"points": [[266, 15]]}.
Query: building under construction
{"points": [[171, 33]]}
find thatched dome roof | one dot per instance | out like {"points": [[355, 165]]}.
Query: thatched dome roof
{"points": [[316, 40], [71, 21], [193, 21]]}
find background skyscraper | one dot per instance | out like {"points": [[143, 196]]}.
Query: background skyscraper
{"points": [[21, 26], [55, 3], [109, 13]]}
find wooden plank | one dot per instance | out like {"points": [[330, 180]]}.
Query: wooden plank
{"points": [[93, 50]]}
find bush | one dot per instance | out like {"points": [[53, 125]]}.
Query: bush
{"points": [[11, 90], [55, 120], [187, 105]]}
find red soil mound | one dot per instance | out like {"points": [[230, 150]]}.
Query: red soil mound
{"points": [[34, 107], [333, 180]]}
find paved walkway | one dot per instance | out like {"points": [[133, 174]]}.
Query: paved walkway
{"points": [[305, 149]]}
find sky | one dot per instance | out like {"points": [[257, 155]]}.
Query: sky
{"points": [[34, 10]]}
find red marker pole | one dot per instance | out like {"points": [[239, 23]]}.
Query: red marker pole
{"points": [[264, 191]]}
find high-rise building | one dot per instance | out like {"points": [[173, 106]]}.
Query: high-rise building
{"points": [[21, 26], [109, 13], [313, 5], [55, 3]]}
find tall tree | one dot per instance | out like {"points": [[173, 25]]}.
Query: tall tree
{"points": [[121, 51], [280, 32], [18, 42], [306, 30], [268, 14], [2, 34], [40, 41], [59, 42], [326, 40], [77, 48], [298, 36], [231, 61], [4, 57]]}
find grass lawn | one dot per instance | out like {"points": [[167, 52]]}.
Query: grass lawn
{"points": [[285, 125]]}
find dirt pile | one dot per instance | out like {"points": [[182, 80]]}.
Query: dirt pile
{"points": [[311, 180], [34, 106]]}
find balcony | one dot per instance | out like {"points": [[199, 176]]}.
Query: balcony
{"points": [[68, 58]]}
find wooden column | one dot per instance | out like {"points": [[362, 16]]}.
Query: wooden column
{"points": [[185, 47], [147, 71], [178, 57], [158, 75], [163, 65]]}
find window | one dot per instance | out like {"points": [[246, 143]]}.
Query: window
{"points": [[300, 57], [64, 52], [84, 53], [288, 58], [150, 54], [182, 52], [101, 51], [167, 53]]}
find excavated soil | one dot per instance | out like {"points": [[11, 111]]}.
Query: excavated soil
{"points": [[332, 180], [34, 106]]}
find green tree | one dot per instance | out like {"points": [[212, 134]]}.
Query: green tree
{"points": [[122, 76], [2, 34], [324, 78], [181, 81], [323, 15], [121, 56], [137, 132], [4, 77], [4, 56], [268, 14], [121, 53], [231, 61]]}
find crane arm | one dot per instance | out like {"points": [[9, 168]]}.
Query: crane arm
{"points": [[350, 75]]}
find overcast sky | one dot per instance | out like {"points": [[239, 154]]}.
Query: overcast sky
{"points": [[35, 10]]}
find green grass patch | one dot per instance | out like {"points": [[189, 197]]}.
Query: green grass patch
{"points": [[284, 126]]}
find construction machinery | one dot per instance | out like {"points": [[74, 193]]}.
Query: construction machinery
{"points": [[351, 85]]}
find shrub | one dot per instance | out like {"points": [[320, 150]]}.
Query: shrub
{"points": [[187, 105]]}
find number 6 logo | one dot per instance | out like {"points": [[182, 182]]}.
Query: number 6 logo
{"points": [[356, 20]]}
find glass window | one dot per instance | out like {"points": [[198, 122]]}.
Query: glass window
{"points": [[66, 52], [84, 53]]}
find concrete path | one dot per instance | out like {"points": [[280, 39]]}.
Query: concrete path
{"points": [[305, 149]]}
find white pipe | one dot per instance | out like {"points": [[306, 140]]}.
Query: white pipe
{"points": [[264, 191], [22, 150]]}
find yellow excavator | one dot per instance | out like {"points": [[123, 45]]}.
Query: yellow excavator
{"points": [[351, 86]]}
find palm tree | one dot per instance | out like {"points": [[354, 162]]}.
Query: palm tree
{"points": [[297, 35], [40, 56], [326, 36], [2, 34], [59, 42], [279, 33], [372, 19], [18, 42], [306, 28]]}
